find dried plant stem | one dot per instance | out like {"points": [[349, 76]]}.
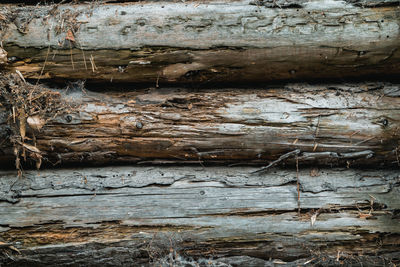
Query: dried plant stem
{"points": [[281, 158], [298, 185]]}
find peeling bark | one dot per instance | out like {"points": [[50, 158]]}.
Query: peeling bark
{"points": [[126, 215], [167, 42], [348, 125]]}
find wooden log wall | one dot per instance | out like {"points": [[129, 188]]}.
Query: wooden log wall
{"points": [[176, 175]]}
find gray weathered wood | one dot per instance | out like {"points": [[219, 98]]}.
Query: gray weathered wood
{"points": [[217, 41], [348, 125], [123, 215], [267, 3]]}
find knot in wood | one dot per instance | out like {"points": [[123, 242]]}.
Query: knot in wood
{"points": [[139, 125]]}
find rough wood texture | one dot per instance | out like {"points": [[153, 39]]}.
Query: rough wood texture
{"points": [[348, 125], [267, 3], [218, 41], [123, 215]]}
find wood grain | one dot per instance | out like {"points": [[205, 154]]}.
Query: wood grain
{"points": [[345, 125], [196, 42], [126, 215]]}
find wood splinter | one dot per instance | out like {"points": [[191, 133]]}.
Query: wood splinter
{"points": [[275, 162]]}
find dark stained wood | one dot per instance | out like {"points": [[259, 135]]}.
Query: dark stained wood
{"points": [[202, 42], [132, 215], [347, 125]]}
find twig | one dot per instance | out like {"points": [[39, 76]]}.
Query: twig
{"points": [[315, 147], [9, 246], [351, 136], [21, 76], [13, 111], [198, 154], [277, 4], [316, 134], [366, 140], [84, 59], [83, 53], [317, 128], [307, 262], [281, 158], [72, 59], [92, 62], [42, 70], [298, 185], [158, 78]]}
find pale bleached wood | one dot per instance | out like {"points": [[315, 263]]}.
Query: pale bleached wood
{"points": [[121, 215]]}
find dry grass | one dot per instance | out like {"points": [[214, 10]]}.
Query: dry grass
{"points": [[28, 107]]}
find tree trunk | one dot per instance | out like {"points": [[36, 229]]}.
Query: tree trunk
{"points": [[195, 42], [347, 125], [126, 215]]}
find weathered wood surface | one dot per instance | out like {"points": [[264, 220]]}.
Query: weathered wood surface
{"points": [[123, 215], [267, 3], [348, 125], [201, 42]]}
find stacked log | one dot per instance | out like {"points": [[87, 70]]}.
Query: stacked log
{"points": [[217, 41], [218, 133], [334, 125], [123, 215]]}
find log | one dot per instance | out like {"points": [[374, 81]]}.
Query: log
{"points": [[267, 3], [133, 215], [202, 42], [333, 125]]}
